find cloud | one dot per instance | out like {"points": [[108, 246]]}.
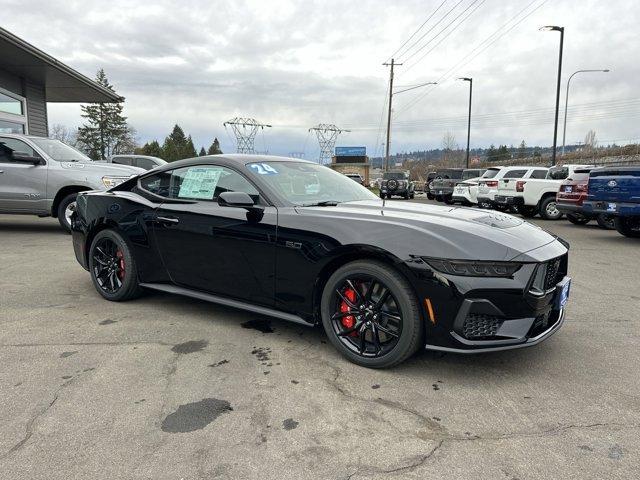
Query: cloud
{"points": [[296, 64]]}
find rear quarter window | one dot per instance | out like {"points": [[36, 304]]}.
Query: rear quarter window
{"points": [[515, 174]]}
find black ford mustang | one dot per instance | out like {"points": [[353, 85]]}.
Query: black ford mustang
{"points": [[298, 241]]}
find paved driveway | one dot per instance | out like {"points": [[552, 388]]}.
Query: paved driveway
{"points": [[166, 387]]}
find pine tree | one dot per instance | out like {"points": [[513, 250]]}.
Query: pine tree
{"points": [[174, 145], [214, 149], [522, 150], [106, 128], [152, 149], [203, 152], [189, 150]]}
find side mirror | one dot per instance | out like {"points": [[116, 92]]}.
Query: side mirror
{"points": [[235, 199], [24, 158]]}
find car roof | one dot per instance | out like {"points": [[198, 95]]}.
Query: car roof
{"points": [[235, 159]]}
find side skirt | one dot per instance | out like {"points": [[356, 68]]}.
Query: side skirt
{"points": [[270, 312]]}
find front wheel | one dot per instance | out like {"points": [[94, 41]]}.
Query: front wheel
{"points": [[628, 226], [430, 196], [606, 221], [112, 267], [549, 209], [371, 315]]}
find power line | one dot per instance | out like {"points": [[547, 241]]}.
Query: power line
{"points": [[414, 33], [500, 32], [440, 32]]}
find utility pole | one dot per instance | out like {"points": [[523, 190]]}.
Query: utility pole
{"points": [[386, 156], [470, 80]]}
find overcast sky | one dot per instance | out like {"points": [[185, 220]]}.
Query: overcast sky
{"points": [[295, 64]]}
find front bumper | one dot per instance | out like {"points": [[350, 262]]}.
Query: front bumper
{"points": [[480, 314]]}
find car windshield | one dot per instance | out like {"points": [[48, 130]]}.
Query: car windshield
{"points": [[60, 151], [490, 173], [394, 176], [304, 183]]}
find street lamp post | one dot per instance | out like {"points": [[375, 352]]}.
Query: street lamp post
{"points": [[566, 101], [470, 80], [555, 28]]}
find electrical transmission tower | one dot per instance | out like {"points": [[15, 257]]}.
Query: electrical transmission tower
{"points": [[245, 131], [327, 135]]}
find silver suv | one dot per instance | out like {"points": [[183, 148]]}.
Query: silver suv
{"points": [[41, 176]]}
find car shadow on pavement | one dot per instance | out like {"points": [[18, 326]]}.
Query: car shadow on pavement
{"points": [[44, 227]]}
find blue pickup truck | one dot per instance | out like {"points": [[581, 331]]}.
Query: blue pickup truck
{"points": [[616, 191]]}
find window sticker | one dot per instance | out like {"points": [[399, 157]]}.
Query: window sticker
{"points": [[199, 183], [263, 169]]}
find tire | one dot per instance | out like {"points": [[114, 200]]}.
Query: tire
{"points": [[382, 196], [430, 196], [549, 210], [125, 271], [65, 208], [438, 198], [406, 196], [412, 196], [447, 199], [577, 219], [606, 221], [628, 226], [527, 211], [409, 336]]}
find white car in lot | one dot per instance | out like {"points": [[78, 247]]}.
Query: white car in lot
{"points": [[532, 196], [466, 193], [489, 183]]}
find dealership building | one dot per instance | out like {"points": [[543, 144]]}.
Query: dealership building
{"points": [[29, 78], [351, 160]]}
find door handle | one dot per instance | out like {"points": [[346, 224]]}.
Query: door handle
{"points": [[1, 171], [167, 220]]}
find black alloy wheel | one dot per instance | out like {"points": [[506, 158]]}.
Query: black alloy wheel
{"points": [[371, 315], [628, 226], [113, 269]]}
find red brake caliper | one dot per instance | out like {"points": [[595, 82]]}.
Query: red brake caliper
{"points": [[120, 256], [349, 321]]}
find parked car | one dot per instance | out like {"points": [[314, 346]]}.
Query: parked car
{"points": [[466, 192], [616, 191], [356, 177], [571, 196], [427, 185], [145, 162], [396, 183], [384, 281], [42, 176], [446, 180], [488, 187], [536, 193]]}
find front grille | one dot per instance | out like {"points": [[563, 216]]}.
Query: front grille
{"points": [[477, 326], [549, 274]]}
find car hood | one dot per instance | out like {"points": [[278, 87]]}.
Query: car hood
{"points": [[439, 231], [103, 168]]}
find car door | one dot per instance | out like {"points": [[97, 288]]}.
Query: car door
{"points": [[23, 186], [222, 250]]}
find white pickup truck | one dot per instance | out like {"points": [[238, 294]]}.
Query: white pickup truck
{"points": [[533, 196]]}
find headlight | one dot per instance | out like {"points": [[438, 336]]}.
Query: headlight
{"points": [[470, 268], [110, 182]]}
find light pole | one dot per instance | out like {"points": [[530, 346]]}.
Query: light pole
{"points": [[470, 80], [566, 101], [555, 28]]}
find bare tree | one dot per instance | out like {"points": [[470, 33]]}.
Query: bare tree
{"points": [[451, 151], [62, 133], [449, 142], [590, 140]]}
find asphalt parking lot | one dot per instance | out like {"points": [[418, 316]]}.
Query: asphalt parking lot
{"points": [[167, 387]]}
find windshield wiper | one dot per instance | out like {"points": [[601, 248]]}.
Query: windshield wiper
{"points": [[324, 203]]}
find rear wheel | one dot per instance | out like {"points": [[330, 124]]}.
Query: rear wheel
{"points": [[549, 209], [112, 267], [430, 196], [577, 219], [527, 211], [371, 315], [628, 226], [606, 221]]}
